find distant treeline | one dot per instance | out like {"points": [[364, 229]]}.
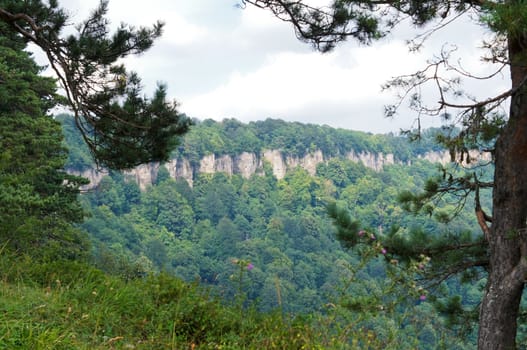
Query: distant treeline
{"points": [[232, 137]]}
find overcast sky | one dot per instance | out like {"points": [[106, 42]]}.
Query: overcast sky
{"points": [[220, 61]]}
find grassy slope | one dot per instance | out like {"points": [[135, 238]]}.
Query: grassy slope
{"points": [[67, 305]]}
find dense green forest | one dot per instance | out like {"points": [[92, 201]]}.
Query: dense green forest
{"points": [[235, 262], [229, 263], [231, 137], [212, 232], [267, 235]]}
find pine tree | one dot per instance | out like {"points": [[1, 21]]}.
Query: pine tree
{"points": [[121, 127], [477, 124], [38, 200]]}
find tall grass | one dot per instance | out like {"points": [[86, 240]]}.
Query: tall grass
{"points": [[71, 305]]}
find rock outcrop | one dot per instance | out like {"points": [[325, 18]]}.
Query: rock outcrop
{"points": [[375, 161], [180, 169], [247, 164], [94, 175], [276, 159], [144, 174]]}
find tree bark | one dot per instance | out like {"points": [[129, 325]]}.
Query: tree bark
{"points": [[507, 238]]}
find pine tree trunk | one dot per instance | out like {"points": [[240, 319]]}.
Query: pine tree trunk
{"points": [[508, 236]]}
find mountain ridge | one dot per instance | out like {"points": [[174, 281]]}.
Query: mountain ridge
{"points": [[233, 148], [247, 164]]}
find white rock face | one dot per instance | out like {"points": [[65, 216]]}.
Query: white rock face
{"points": [[224, 164], [144, 174], [206, 164], [375, 161], [436, 157], [444, 157], [274, 157], [210, 164], [309, 162], [180, 169], [95, 176], [246, 164]]}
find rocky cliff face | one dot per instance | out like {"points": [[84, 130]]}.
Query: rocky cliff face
{"points": [[95, 176], [375, 161], [467, 159], [246, 164], [144, 174], [180, 169]]}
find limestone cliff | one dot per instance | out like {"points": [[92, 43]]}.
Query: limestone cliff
{"points": [[180, 169], [375, 161], [246, 164], [144, 174], [95, 176]]}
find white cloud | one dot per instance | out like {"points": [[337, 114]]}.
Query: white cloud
{"points": [[220, 61], [299, 83]]}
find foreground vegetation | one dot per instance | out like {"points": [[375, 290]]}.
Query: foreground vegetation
{"points": [[70, 305]]}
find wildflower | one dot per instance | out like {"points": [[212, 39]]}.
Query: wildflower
{"points": [[361, 233], [421, 266], [384, 251], [250, 266], [372, 237], [422, 297]]}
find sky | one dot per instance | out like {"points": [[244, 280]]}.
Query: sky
{"points": [[220, 61]]}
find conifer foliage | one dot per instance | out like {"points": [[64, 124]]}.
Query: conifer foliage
{"points": [[38, 200], [121, 126]]}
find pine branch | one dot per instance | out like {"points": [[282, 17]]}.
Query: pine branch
{"points": [[121, 128]]}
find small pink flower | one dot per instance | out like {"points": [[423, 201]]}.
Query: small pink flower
{"points": [[422, 297], [372, 237], [421, 266], [384, 251], [361, 233], [250, 266]]}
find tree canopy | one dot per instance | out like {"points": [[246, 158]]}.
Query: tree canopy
{"points": [[282, 228]]}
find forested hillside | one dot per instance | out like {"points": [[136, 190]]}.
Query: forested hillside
{"points": [[268, 239], [140, 228]]}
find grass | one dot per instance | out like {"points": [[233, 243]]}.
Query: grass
{"points": [[70, 305]]}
